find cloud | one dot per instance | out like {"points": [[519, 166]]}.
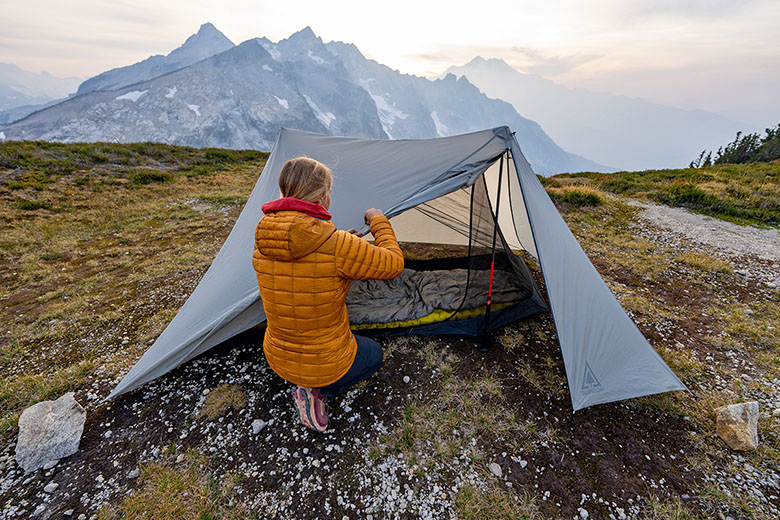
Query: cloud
{"points": [[696, 9], [546, 64]]}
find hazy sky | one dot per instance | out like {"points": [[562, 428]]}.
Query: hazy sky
{"points": [[721, 55]]}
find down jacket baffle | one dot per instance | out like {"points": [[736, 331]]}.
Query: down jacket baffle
{"points": [[304, 266]]}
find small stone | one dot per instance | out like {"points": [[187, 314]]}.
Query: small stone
{"points": [[776, 412], [737, 425], [69, 512], [180, 458], [406, 379], [134, 474], [746, 378], [583, 513], [100, 478], [495, 469], [82, 516], [749, 312], [257, 425], [523, 463], [51, 487]]}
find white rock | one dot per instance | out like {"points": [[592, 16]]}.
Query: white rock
{"points": [[49, 430], [737, 425], [406, 379], [495, 469], [583, 513], [134, 474], [69, 512], [523, 463], [51, 487], [257, 425]]}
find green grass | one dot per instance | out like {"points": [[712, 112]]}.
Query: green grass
{"points": [[741, 193], [183, 491], [71, 261], [32, 205]]}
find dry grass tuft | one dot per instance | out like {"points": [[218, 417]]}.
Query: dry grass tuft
{"points": [[495, 503], [178, 492], [221, 399], [705, 262]]}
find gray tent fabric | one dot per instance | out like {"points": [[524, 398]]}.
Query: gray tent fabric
{"points": [[605, 355]]}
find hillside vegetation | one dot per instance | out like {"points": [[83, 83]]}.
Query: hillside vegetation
{"points": [[747, 148], [741, 193], [101, 244]]}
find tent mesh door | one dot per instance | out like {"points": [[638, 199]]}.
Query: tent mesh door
{"points": [[511, 270]]}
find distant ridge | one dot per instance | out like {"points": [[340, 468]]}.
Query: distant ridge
{"points": [[207, 42], [241, 97], [632, 134]]}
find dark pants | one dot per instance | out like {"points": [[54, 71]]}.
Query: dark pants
{"points": [[368, 360]]}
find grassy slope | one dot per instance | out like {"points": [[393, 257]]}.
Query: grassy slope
{"points": [[100, 245], [741, 193]]}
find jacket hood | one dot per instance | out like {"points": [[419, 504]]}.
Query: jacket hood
{"points": [[289, 234], [291, 203]]}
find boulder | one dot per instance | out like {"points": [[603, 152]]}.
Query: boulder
{"points": [[738, 425], [49, 430]]}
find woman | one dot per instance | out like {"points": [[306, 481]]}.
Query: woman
{"points": [[304, 266]]}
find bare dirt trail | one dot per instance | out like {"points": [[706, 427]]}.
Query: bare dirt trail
{"points": [[709, 231]]}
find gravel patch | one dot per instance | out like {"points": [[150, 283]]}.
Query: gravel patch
{"points": [[709, 231]]}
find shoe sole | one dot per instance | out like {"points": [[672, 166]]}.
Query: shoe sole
{"points": [[305, 406]]}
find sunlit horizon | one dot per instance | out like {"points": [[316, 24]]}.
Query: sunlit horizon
{"points": [[717, 55]]}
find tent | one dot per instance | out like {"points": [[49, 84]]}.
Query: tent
{"points": [[421, 185]]}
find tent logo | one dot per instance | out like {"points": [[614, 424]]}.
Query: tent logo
{"points": [[590, 384]]}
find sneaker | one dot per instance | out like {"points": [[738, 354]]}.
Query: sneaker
{"points": [[311, 407]]}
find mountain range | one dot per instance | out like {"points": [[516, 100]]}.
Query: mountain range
{"points": [[209, 92], [632, 134], [19, 88]]}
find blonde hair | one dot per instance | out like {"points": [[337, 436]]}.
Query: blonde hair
{"points": [[305, 179]]}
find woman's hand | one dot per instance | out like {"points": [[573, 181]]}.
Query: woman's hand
{"points": [[371, 213]]}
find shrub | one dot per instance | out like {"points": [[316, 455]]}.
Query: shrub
{"points": [[578, 196], [150, 176], [682, 193], [32, 205]]}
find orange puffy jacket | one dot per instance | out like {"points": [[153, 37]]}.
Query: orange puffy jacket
{"points": [[304, 266]]}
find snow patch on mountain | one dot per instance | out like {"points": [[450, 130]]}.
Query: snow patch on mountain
{"points": [[388, 114], [441, 128], [133, 95], [326, 118], [194, 108], [266, 67], [282, 102], [272, 50], [171, 92], [315, 57]]}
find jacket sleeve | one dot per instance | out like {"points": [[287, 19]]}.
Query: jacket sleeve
{"points": [[357, 259]]}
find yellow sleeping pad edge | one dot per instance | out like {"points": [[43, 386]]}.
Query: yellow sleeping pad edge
{"points": [[435, 317]]}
